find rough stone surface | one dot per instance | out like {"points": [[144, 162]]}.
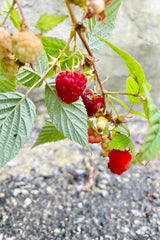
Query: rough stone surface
{"points": [[41, 194]]}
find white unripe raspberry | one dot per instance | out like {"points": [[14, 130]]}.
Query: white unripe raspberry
{"points": [[27, 47], [5, 43], [96, 6]]}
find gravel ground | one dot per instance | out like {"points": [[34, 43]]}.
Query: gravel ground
{"points": [[41, 195]]}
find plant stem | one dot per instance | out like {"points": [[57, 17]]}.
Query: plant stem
{"points": [[5, 19], [21, 12], [114, 108], [71, 12], [120, 93], [74, 21]]}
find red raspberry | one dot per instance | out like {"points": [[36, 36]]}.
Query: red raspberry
{"points": [[70, 85], [5, 43], [118, 161], [90, 131], [92, 102], [93, 138], [27, 47]]}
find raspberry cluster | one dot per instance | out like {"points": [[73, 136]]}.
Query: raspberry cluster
{"points": [[18, 49], [119, 161], [70, 85], [92, 102]]}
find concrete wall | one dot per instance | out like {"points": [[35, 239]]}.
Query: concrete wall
{"points": [[137, 31]]}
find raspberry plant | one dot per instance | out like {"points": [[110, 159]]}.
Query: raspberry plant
{"points": [[77, 111]]}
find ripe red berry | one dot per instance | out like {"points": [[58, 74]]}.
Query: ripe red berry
{"points": [[70, 85], [92, 138], [118, 161], [92, 102], [90, 131]]}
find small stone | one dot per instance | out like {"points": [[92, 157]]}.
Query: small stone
{"points": [[56, 172], [2, 198], [107, 237], [142, 230], [27, 202], [20, 184], [80, 205], [124, 229], [136, 213], [24, 192], [16, 192], [45, 175], [1, 236], [104, 193], [57, 231], [34, 192], [156, 195]]}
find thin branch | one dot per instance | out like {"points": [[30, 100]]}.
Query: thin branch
{"points": [[74, 21], [21, 12], [12, 6], [120, 93]]}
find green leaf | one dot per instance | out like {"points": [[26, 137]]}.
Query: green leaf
{"points": [[103, 30], [118, 129], [150, 148], [48, 22], [28, 77], [133, 88], [7, 84], [48, 133], [119, 142], [125, 128], [16, 122], [6, 7], [69, 119], [15, 18], [145, 107], [138, 113], [134, 67], [53, 47], [121, 102]]}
